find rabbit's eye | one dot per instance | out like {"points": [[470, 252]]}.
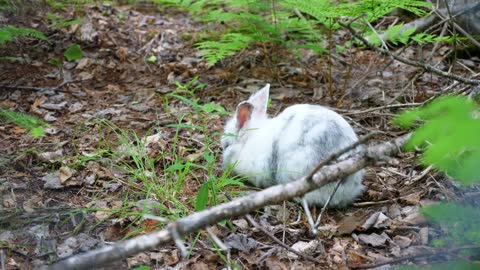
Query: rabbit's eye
{"points": [[226, 142]]}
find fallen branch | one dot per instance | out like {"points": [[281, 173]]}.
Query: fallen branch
{"points": [[238, 207], [425, 66]]}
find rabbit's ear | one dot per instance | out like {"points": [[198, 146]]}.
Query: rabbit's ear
{"points": [[259, 100], [243, 114]]}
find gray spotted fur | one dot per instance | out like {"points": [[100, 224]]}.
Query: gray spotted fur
{"points": [[277, 150]]}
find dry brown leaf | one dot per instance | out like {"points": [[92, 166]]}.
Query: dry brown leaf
{"points": [[139, 259], [355, 258], [122, 53], [18, 130], [199, 265], [9, 201], [65, 173], [350, 223], [172, 258], [303, 247], [377, 220], [241, 224], [34, 107], [402, 241], [375, 240], [413, 198], [51, 157], [32, 203], [274, 263]]}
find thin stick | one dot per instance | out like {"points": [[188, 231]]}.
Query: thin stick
{"points": [[410, 62], [319, 219], [309, 216], [389, 106], [412, 257], [215, 239], [178, 240], [278, 241], [252, 221], [34, 88]]}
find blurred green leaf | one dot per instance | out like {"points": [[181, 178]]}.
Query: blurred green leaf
{"points": [[73, 53], [202, 197], [177, 166], [459, 222], [56, 62], [212, 107], [142, 267], [449, 135], [35, 125], [209, 158], [152, 59]]}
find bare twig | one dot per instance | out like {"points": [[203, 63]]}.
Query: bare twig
{"points": [[177, 239], [252, 221], [453, 85], [313, 228], [215, 239], [324, 208], [411, 62], [441, 15], [384, 45], [390, 106], [278, 241], [3, 259], [392, 200], [238, 207], [34, 88], [416, 256]]}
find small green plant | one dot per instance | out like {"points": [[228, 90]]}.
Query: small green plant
{"points": [[213, 185], [142, 267], [60, 22], [35, 126], [164, 176], [6, 5], [73, 53], [449, 136], [229, 44], [9, 33]]}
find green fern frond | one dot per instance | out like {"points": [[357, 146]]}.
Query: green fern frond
{"points": [[325, 11], [34, 125], [395, 36], [259, 21], [9, 33], [228, 45]]}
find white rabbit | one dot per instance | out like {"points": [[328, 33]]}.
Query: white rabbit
{"points": [[277, 150]]}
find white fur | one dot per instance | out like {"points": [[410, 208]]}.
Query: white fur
{"points": [[277, 150]]}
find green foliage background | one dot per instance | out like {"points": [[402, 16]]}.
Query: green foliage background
{"points": [[449, 134], [294, 24]]}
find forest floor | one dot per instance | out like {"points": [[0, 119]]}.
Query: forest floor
{"points": [[88, 181]]}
